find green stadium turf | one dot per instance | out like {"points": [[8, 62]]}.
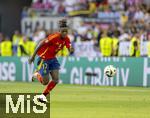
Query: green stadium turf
{"points": [[76, 101]]}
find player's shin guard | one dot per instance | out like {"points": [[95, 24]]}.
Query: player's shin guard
{"points": [[49, 87], [38, 77]]}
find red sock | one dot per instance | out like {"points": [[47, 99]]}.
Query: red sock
{"points": [[49, 87], [38, 76]]}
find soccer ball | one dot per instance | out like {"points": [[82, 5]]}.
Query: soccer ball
{"points": [[110, 71]]}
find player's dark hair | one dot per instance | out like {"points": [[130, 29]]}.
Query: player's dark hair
{"points": [[63, 23]]}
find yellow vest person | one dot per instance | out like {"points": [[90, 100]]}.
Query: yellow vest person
{"points": [[106, 46], [115, 46], [148, 48], [22, 47], [30, 47], [135, 47], [6, 48], [15, 41]]}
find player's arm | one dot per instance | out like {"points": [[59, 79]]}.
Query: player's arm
{"points": [[69, 46], [39, 45]]}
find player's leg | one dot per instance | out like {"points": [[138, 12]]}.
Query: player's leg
{"points": [[37, 75], [54, 67], [44, 79], [53, 82], [42, 74]]}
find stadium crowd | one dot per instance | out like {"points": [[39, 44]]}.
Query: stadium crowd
{"points": [[133, 26]]}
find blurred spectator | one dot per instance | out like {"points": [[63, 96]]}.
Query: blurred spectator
{"points": [[106, 45], [71, 35], [92, 6], [1, 37], [148, 46], [39, 35], [124, 36], [15, 41], [37, 4], [61, 9], [82, 29], [47, 4], [24, 12], [6, 47], [31, 13], [147, 16], [135, 46], [30, 47], [134, 2], [115, 50], [123, 19], [139, 15], [70, 5], [22, 47], [131, 12]]}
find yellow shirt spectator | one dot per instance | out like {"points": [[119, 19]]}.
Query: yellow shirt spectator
{"points": [[106, 46], [6, 48], [115, 46], [23, 47], [135, 47], [15, 41], [148, 48], [30, 47], [124, 19]]}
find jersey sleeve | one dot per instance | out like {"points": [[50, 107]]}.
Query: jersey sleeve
{"points": [[50, 38], [68, 43]]}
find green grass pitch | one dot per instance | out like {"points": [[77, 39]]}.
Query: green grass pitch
{"points": [[76, 101]]}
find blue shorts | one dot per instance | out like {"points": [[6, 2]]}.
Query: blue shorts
{"points": [[45, 66]]}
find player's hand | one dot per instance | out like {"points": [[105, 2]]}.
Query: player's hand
{"points": [[31, 60]]}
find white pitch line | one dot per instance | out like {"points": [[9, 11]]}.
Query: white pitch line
{"points": [[108, 89]]}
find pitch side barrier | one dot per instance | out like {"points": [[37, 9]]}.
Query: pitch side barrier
{"points": [[83, 71]]}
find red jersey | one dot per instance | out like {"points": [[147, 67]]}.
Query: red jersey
{"points": [[52, 45]]}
